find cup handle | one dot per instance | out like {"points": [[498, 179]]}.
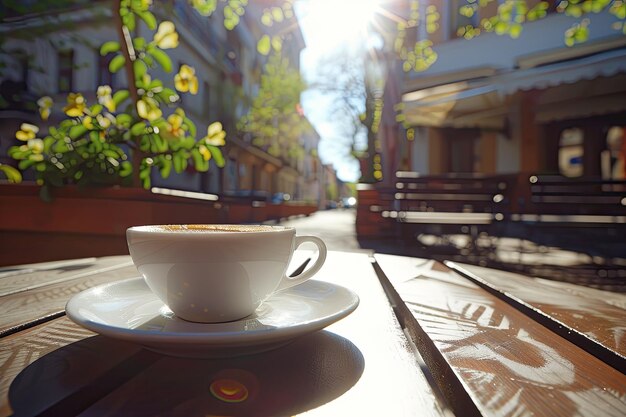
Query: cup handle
{"points": [[287, 282]]}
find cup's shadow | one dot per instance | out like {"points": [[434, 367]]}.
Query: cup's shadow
{"points": [[303, 375]]}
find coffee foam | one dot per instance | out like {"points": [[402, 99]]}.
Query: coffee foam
{"points": [[212, 228]]}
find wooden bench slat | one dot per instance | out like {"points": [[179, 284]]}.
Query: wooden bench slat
{"points": [[482, 350], [593, 319]]}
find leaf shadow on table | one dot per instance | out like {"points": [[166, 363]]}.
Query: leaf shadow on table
{"points": [[102, 376]]}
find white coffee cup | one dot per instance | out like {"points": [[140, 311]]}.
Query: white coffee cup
{"points": [[217, 273]]}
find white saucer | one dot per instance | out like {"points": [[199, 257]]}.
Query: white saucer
{"points": [[128, 310]]}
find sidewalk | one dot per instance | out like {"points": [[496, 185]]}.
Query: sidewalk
{"points": [[337, 229]]}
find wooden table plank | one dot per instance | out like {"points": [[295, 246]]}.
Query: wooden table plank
{"points": [[591, 318], [23, 279], [23, 308], [491, 359], [368, 341], [60, 356], [362, 365]]}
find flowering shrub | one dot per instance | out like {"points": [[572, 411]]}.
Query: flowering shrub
{"points": [[125, 135]]}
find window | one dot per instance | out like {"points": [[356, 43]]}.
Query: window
{"points": [[571, 153], [66, 71], [105, 77]]}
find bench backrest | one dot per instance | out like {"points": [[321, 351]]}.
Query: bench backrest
{"points": [[453, 192], [551, 194]]}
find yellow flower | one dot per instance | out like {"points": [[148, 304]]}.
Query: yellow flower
{"points": [[205, 152], [105, 98], [75, 105], [35, 145], [148, 108], [106, 120], [45, 104], [175, 124], [215, 135], [27, 132], [88, 122], [166, 36], [186, 80]]}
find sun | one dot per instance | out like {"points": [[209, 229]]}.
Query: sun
{"points": [[332, 23]]}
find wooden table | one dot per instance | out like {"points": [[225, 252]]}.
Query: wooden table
{"points": [[427, 339]]}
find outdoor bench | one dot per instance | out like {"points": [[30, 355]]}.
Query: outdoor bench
{"points": [[449, 204], [558, 210]]}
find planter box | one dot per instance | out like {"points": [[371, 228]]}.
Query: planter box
{"points": [[84, 223], [93, 222]]}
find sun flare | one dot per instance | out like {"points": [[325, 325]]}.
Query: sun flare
{"points": [[336, 22]]}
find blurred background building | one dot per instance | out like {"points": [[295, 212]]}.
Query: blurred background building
{"points": [[494, 104], [56, 51]]}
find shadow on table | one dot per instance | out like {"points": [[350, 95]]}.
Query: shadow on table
{"points": [[104, 376]]}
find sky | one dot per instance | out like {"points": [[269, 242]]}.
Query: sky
{"points": [[331, 27]]}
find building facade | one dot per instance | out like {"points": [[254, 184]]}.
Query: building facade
{"points": [[63, 56], [494, 104]]}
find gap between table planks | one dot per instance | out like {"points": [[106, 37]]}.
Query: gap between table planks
{"points": [[490, 359]]}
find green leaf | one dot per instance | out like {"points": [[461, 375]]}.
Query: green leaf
{"points": [[515, 30], [140, 68], [47, 143], [109, 153], [191, 125], [277, 14], [129, 21], [108, 47], [162, 58], [96, 143], [149, 19], [126, 168], [138, 129], [168, 95], [216, 153], [95, 109], [120, 96], [116, 63], [12, 174], [144, 171], [123, 119], [160, 144], [139, 43], [146, 182], [198, 161], [166, 167], [266, 19], [77, 131], [264, 45], [180, 162], [277, 43]]}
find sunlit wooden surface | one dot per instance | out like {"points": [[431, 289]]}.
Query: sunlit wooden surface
{"points": [[362, 365], [591, 318], [489, 357]]}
